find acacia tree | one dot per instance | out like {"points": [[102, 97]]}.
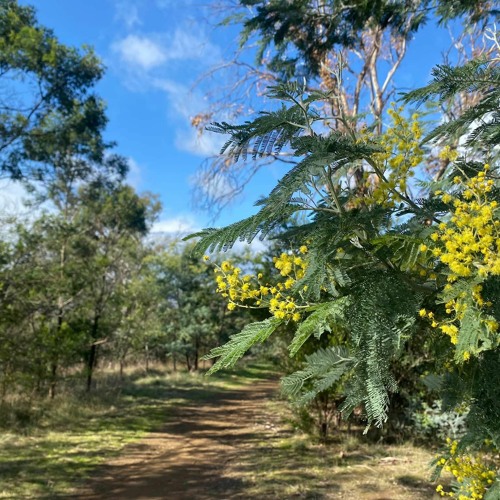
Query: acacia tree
{"points": [[351, 50], [380, 265]]}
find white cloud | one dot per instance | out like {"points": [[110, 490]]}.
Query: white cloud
{"points": [[128, 13], [206, 144], [257, 246], [179, 225], [13, 209], [186, 45], [152, 51], [174, 228], [12, 195], [134, 177], [186, 103], [178, 94], [141, 52], [144, 61]]}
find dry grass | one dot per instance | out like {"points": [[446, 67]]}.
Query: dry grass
{"points": [[287, 464], [71, 436]]}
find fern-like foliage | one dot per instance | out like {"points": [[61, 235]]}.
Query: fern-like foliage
{"points": [[260, 224], [381, 317], [323, 368], [474, 336], [271, 131], [404, 250], [294, 191], [484, 413], [264, 136], [481, 122], [325, 317], [494, 492], [482, 396], [379, 313], [239, 344]]}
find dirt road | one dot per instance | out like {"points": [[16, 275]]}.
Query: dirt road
{"points": [[230, 445], [188, 458]]}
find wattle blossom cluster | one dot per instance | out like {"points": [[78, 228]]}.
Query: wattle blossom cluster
{"points": [[470, 242], [469, 246], [397, 163], [472, 475], [249, 291]]}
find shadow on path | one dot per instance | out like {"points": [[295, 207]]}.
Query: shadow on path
{"points": [[187, 459]]}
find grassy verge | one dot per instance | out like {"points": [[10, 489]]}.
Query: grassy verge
{"points": [[73, 434], [288, 464]]}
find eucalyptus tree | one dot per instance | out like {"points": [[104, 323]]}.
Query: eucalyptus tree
{"points": [[65, 229], [68, 284], [114, 219], [46, 97]]}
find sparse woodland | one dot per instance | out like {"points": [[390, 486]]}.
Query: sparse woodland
{"points": [[81, 283], [378, 297]]}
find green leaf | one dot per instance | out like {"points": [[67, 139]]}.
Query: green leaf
{"points": [[324, 367], [404, 250], [321, 320], [239, 344], [433, 382], [494, 492]]}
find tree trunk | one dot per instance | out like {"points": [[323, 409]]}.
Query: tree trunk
{"points": [[53, 367], [188, 363], [53, 380], [196, 355], [60, 318], [90, 365], [324, 431], [92, 353], [147, 358]]}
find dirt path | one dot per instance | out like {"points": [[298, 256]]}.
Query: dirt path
{"points": [[188, 458], [228, 444]]}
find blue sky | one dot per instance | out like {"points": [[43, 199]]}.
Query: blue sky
{"points": [[154, 51]]}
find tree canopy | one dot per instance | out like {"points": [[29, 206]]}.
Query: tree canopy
{"points": [[48, 110], [303, 32]]}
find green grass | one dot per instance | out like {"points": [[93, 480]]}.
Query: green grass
{"points": [[71, 436], [65, 439]]}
